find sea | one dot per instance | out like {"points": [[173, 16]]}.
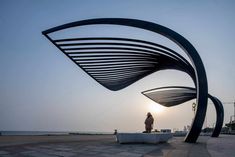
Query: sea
{"points": [[23, 133]]}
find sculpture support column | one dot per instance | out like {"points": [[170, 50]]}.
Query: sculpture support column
{"points": [[219, 116]]}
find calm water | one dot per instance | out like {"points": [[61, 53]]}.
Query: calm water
{"points": [[48, 132], [33, 133]]}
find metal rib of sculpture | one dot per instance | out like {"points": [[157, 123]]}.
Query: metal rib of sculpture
{"points": [[116, 65], [175, 95]]}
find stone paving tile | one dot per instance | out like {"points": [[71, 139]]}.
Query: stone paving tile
{"points": [[35, 154], [2, 152], [63, 149], [128, 154], [63, 153], [79, 150], [46, 146]]}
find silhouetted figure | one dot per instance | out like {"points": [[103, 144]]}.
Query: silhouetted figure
{"points": [[115, 132], [148, 123]]}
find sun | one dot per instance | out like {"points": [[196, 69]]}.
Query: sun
{"points": [[155, 108]]}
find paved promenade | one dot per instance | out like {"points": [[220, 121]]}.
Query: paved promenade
{"points": [[105, 146]]}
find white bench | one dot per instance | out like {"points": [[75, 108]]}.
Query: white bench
{"points": [[143, 137]]}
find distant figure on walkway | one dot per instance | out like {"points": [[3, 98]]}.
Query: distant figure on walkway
{"points": [[148, 123], [115, 132]]}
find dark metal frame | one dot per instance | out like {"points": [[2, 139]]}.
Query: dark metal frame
{"points": [[198, 75]]}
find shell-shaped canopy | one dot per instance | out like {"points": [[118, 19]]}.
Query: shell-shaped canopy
{"points": [[171, 96], [118, 62]]}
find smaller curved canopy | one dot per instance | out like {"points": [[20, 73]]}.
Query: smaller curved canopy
{"points": [[175, 95], [171, 96]]}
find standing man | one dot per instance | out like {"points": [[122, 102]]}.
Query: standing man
{"points": [[148, 123]]}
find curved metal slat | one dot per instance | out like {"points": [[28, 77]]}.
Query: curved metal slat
{"points": [[122, 73], [127, 74], [116, 61], [129, 40], [120, 44]]}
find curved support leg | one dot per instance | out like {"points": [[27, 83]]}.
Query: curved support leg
{"points": [[219, 115]]}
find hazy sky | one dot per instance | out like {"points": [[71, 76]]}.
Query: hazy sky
{"points": [[41, 89]]}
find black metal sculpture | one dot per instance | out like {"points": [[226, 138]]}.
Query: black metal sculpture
{"points": [[118, 62], [175, 95]]}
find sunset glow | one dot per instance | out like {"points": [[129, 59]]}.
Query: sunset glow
{"points": [[155, 108]]}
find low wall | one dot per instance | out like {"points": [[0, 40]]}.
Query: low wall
{"points": [[143, 137]]}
